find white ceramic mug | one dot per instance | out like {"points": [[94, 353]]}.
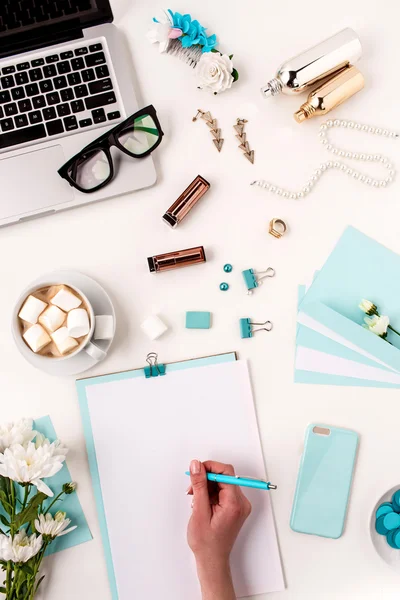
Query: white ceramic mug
{"points": [[86, 345]]}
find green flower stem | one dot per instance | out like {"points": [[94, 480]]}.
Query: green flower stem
{"points": [[8, 577], [56, 499], [12, 491], [392, 329], [14, 582], [27, 490], [32, 587]]}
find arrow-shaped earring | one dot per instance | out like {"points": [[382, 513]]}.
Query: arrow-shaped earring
{"points": [[213, 125], [241, 137]]}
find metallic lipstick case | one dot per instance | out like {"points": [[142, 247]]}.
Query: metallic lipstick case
{"points": [[175, 260], [331, 93], [189, 198], [315, 64]]}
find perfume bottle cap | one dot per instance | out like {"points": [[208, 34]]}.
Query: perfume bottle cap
{"points": [[273, 88], [266, 91], [300, 115]]}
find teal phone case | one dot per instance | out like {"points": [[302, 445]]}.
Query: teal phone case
{"points": [[324, 481]]}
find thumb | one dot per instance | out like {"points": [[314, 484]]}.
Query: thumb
{"points": [[201, 499]]}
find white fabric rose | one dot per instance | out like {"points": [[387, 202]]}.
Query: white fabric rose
{"points": [[378, 325], [214, 72]]}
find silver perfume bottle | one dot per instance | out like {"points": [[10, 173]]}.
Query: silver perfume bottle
{"points": [[299, 73]]}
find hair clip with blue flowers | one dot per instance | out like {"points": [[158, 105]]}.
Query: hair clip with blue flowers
{"points": [[184, 37]]}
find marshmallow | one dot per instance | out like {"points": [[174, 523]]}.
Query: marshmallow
{"points": [[66, 300], [104, 327], [78, 322], [31, 309], [52, 318], [36, 337], [63, 341], [153, 327]]}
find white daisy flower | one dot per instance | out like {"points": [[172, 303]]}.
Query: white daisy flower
{"points": [[19, 432], [53, 527], [21, 548], [33, 462]]}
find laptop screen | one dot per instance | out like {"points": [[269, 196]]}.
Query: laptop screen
{"points": [[22, 21]]}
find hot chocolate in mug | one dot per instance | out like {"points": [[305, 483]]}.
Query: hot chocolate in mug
{"points": [[84, 344]]}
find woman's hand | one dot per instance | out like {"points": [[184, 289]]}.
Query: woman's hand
{"points": [[219, 511]]}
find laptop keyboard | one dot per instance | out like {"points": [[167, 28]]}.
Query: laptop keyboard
{"points": [[15, 14], [56, 94]]}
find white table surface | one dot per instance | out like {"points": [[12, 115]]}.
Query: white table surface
{"points": [[111, 240]]}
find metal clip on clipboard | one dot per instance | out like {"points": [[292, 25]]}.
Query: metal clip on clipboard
{"points": [[154, 369]]}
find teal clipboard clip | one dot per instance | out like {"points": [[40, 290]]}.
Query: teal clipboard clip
{"points": [[247, 327], [253, 279], [154, 369]]}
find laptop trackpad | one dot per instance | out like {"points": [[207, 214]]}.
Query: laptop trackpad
{"points": [[30, 182]]}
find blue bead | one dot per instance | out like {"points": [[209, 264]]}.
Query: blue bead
{"points": [[379, 526], [228, 268], [384, 509], [223, 287]]}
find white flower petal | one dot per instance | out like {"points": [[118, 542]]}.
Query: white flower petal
{"points": [[42, 487], [67, 531]]}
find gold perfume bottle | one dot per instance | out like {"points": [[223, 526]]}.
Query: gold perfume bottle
{"points": [[330, 94]]}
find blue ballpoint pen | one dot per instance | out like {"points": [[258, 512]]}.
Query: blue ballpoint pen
{"points": [[242, 481]]}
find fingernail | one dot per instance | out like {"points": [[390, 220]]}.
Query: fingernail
{"points": [[188, 490], [195, 467]]}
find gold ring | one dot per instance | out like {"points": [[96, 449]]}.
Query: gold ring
{"points": [[277, 228]]}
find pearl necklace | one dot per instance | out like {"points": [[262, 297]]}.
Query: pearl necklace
{"points": [[324, 167]]}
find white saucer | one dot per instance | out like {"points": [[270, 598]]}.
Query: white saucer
{"points": [[102, 305], [391, 556]]}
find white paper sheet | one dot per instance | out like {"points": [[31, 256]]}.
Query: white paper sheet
{"points": [[146, 431], [308, 321], [308, 359]]}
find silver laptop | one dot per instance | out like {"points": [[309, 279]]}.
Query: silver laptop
{"points": [[64, 80]]}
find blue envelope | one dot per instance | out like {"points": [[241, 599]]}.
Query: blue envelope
{"points": [[358, 268]]}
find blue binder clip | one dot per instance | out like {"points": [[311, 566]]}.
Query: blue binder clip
{"points": [[154, 369], [253, 279], [246, 328]]}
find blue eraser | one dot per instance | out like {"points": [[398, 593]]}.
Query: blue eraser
{"points": [[198, 320], [384, 509], [391, 521]]}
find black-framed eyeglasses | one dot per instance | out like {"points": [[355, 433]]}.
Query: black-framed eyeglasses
{"points": [[92, 168]]}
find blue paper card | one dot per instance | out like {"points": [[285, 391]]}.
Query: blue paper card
{"points": [[70, 504], [347, 277], [358, 268]]}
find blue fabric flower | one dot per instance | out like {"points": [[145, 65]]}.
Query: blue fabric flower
{"points": [[193, 33]]}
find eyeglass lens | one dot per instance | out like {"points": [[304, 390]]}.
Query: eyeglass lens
{"points": [[140, 136]]}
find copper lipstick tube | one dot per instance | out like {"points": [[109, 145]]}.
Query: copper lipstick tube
{"points": [[175, 260], [189, 198]]}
